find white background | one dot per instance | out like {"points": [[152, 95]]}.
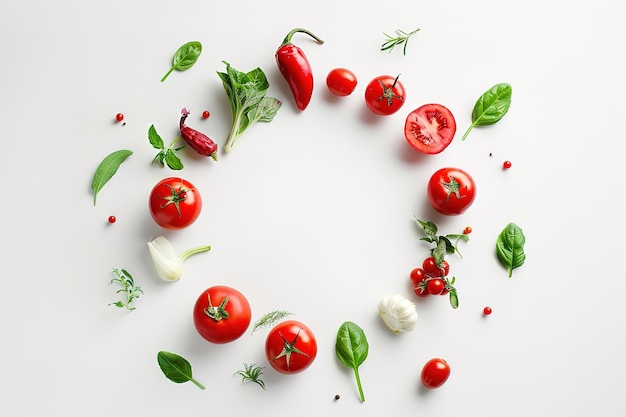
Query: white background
{"points": [[313, 212]]}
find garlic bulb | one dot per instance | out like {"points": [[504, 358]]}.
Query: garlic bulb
{"points": [[168, 264], [398, 313]]}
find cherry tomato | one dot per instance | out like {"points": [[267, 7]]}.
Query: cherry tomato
{"points": [[432, 269], [417, 275], [385, 95], [206, 114], [435, 372], [507, 164], [221, 314], [341, 81], [290, 347], [451, 191], [112, 219], [430, 128], [435, 286], [487, 311], [420, 289], [119, 117], [467, 230], [174, 203]]}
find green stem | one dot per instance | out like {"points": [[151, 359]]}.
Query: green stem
{"points": [[358, 383], [199, 385], [186, 254], [168, 73], [468, 130], [296, 30], [233, 136]]}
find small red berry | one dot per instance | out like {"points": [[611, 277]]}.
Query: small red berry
{"points": [[506, 164], [487, 311], [119, 117], [467, 230], [112, 219], [205, 114]]}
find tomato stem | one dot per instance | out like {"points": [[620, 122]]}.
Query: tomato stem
{"points": [[217, 313]]}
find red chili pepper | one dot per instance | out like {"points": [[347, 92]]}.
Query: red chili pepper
{"points": [[198, 141], [295, 67]]}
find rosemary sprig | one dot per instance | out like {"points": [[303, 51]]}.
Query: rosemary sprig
{"points": [[401, 38], [129, 288], [251, 373], [270, 318]]}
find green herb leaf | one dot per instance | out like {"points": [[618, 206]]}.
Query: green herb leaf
{"points": [[401, 38], [491, 106], [107, 168], [510, 247], [251, 373], [430, 230], [352, 349], [132, 291], [166, 155], [185, 57], [248, 103], [269, 319], [154, 138], [176, 368]]}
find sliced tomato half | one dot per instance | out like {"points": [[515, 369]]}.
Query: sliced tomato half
{"points": [[430, 128]]}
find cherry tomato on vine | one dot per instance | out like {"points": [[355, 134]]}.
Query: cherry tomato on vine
{"points": [[467, 230], [174, 203], [385, 95], [451, 191], [432, 269], [435, 286], [341, 81], [417, 275], [221, 314], [430, 128], [435, 373], [290, 347]]}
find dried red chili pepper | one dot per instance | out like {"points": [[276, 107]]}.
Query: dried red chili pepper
{"points": [[294, 66], [198, 141]]}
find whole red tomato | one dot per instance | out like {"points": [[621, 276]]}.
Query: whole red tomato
{"points": [[174, 203], [341, 81], [221, 314], [290, 347], [384, 95], [451, 191], [435, 372]]}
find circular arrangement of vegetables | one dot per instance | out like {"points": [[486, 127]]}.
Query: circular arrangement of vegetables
{"points": [[222, 314]]}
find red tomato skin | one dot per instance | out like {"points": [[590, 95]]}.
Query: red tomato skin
{"points": [[444, 197], [228, 329], [435, 373], [305, 342], [435, 286], [341, 82], [164, 210], [430, 128], [375, 95]]}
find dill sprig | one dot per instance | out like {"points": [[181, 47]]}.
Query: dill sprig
{"points": [[401, 38], [251, 373], [132, 291], [270, 318]]}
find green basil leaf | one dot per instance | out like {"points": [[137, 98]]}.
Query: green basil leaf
{"points": [[510, 247], [430, 229], [154, 138], [176, 368], [491, 106], [107, 168], [172, 160], [454, 299], [185, 57], [352, 349]]}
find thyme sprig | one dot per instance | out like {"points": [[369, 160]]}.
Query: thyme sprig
{"points": [[251, 373], [132, 291], [401, 38]]}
